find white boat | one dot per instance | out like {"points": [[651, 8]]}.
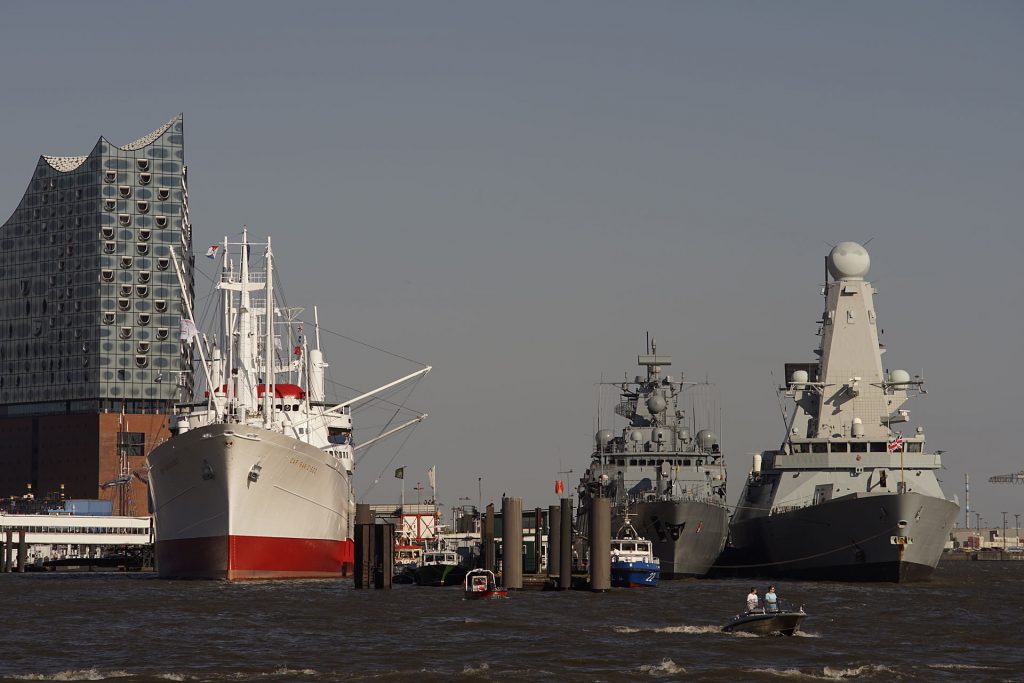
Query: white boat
{"points": [[256, 482]]}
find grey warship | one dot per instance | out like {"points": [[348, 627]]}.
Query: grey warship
{"points": [[669, 481], [851, 494]]}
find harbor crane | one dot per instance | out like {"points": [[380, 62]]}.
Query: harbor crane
{"points": [[1014, 478]]}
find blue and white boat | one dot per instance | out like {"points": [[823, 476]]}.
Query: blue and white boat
{"points": [[633, 562]]}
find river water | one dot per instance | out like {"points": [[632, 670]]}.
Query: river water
{"points": [[964, 625]]}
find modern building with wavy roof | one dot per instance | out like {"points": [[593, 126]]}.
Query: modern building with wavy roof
{"points": [[90, 308]]}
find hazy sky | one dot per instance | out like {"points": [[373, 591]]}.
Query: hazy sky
{"points": [[515, 193]]}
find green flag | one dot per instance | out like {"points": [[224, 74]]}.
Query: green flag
{"points": [[400, 473]]}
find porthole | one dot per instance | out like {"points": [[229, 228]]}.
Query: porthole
{"points": [[162, 263], [126, 261], [144, 234], [125, 333], [141, 291], [144, 319], [143, 164], [107, 232], [125, 219], [163, 193], [144, 276], [160, 305], [142, 207], [142, 248], [109, 204], [141, 361], [125, 191], [124, 304], [161, 221], [107, 275], [110, 176], [161, 333], [109, 247], [145, 178]]}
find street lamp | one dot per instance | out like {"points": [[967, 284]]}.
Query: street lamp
{"points": [[1004, 532]]}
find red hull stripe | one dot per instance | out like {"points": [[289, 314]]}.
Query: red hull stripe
{"points": [[253, 557]]}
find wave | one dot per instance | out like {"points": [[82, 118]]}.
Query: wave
{"points": [[98, 675], [966, 667], [666, 668], [74, 675], [829, 673]]}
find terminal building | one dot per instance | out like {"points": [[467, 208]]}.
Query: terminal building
{"points": [[90, 310]]}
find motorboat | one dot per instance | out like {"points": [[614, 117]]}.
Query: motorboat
{"points": [[633, 562], [480, 584], [767, 621], [440, 568]]}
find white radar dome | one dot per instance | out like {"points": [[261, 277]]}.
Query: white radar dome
{"points": [[706, 439], [656, 404], [604, 436], [899, 377], [848, 261], [799, 377]]}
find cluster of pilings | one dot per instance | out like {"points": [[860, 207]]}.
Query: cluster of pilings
{"points": [[375, 546], [8, 552]]}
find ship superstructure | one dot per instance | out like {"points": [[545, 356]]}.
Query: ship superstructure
{"points": [[851, 493], [257, 481], [660, 470]]}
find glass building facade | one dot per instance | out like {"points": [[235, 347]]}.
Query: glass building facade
{"points": [[90, 304]]}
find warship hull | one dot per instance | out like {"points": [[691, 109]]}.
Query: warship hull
{"points": [[687, 536], [241, 502], [861, 537]]}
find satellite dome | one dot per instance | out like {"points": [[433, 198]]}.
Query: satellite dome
{"points": [[799, 377], [848, 261], [603, 437], [706, 439], [656, 404], [899, 377]]}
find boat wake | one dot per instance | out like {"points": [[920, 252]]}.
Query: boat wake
{"points": [[98, 675], [666, 668], [670, 629]]}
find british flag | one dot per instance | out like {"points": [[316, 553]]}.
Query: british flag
{"points": [[896, 443]]}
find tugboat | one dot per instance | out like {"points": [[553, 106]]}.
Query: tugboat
{"points": [[673, 479], [480, 584], [440, 567], [633, 562], [850, 494]]}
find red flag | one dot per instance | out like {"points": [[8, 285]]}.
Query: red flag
{"points": [[559, 487]]}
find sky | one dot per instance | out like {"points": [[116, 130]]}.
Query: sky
{"points": [[516, 193]]}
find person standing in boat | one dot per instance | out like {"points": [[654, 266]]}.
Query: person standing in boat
{"points": [[771, 601], [752, 599]]}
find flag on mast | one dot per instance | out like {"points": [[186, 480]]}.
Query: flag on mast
{"points": [[431, 474], [212, 251], [400, 473], [188, 330], [897, 443]]}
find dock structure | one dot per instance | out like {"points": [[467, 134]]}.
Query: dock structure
{"points": [[554, 538], [565, 546], [600, 544], [512, 542], [32, 542], [374, 550]]}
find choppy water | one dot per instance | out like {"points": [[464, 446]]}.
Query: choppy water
{"points": [[965, 625]]}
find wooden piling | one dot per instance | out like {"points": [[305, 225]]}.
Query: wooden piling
{"points": [[488, 539], [601, 544], [512, 543], [22, 551], [538, 539], [384, 555], [8, 550], [565, 547], [554, 533]]}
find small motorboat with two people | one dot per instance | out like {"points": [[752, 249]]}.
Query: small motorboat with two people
{"points": [[480, 584], [633, 562], [767, 617]]}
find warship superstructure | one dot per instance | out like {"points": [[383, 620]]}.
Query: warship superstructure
{"points": [[670, 481], [851, 494]]}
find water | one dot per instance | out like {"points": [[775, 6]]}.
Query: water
{"points": [[964, 625]]}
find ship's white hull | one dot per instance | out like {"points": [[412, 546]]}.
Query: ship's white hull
{"points": [[865, 537], [233, 501]]}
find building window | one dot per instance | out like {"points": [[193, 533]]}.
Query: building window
{"points": [[142, 248], [124, 304], [143, 164], [143, 347], [107, 275], [131, 443], [161, 333], [144, 178], [107, 232], [110, 176], [125, 191], [125, 333], [142, 207], [144, 276], [143, 319], [161, 221], [126, 261], [141, 291], [144, 234], [109, 204], [163, 193], [162, 263], [108, 318], [141, 361], [160, 305], [109, 247], [126, 290], [125, 219]]}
